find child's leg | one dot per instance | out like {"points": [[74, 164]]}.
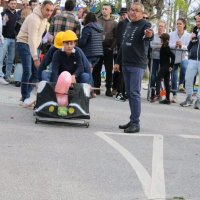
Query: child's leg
{"points": [[158, 82], [166, 83]]}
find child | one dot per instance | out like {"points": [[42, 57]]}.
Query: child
{"points": [[69, 59], [167, 59]]}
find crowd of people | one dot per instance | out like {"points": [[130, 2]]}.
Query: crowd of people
{"points": [[40, 41]]}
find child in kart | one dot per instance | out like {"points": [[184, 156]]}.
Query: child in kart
{"points": [[69, 59]]}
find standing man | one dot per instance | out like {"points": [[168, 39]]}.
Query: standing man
{"points": [[33, 4], [123, 14], [133, 56], [109, 42], [28, 41], [193, 66], [9, 18], [65, 21]]}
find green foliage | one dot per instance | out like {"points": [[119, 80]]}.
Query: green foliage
{"points": [[181, 5]]}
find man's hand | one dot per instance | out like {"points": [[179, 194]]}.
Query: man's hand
{"points": [[37, 63], [148, 33], [73, 79], [116, 68]]}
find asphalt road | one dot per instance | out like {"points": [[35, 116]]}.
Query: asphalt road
{"points": [[57, 162]]}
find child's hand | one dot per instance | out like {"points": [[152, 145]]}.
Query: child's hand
{"points": [[73, 79], [170, 69]]}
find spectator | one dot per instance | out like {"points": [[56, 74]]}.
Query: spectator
{"points": [[179, 41], [193, 66], [145, 15], [18, 65], [25, 4], [109, 43], [2, 80], [33, 4], [91, 39], [123, 13], [28, 41], [133, 56], [10, 17], [166, 63], [65, 21], [155, 44]]}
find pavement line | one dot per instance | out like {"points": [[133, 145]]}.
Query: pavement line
{"points": [[158, 178], [190, 136], [153, 187], [132, 135]]}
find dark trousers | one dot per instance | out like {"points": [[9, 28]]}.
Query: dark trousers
{"points": [[118, 81], [107, 60], [133, 79], [163, 74]]}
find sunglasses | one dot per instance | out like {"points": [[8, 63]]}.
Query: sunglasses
{"points": [[145, 18]]}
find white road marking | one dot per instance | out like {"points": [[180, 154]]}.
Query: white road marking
{"points": [[154, 187], [190, 136]]}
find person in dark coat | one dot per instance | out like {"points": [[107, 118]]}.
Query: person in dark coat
{"points": [[167, 59], [91, 39]]}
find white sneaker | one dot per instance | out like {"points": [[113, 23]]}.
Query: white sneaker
{"points": [[29, 102], [3, 81], [174, 99]]}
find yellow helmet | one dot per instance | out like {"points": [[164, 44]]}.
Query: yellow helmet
{"points": [[69, 36], [58, 42]]}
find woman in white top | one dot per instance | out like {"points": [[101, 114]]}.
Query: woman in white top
{"points": [[179, 40]]}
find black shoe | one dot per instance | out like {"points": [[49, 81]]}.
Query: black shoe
{"points": [[108, 93], [124, 126], [165, 101], [132, 129], [17, 84]]}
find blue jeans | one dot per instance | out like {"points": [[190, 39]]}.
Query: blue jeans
{"points": [[18, 72], [29, 74], [133, 79], [84, 78], [183, 66], [7, 47], [192, 69]]}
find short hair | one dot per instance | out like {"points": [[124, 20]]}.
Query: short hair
{"points": [[90, 17], [139, 4], [44, 3], [70, 5], [198, 14], [183, 21], [32, 1], [11, 0]]}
